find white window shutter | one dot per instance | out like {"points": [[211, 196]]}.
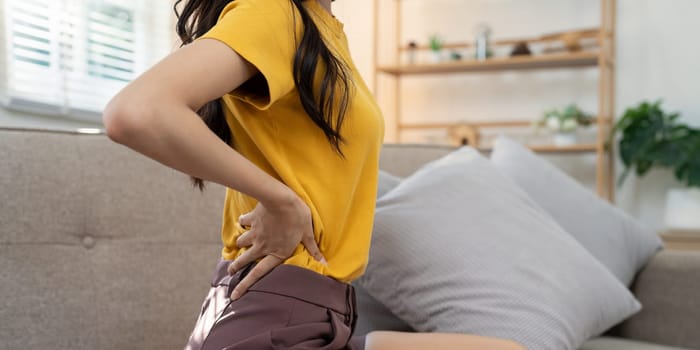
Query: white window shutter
{"points": [[32, 55], [69, 57]]}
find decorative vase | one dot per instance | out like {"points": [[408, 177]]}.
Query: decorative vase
{"points": [[482, 45], [436, 56], [564, 138], [683, 209]]}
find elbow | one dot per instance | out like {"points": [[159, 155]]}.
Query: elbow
{"points": [[113, 121], [122, 120]]}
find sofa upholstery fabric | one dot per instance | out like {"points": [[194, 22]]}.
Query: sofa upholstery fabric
{"points": [[78, 277]]}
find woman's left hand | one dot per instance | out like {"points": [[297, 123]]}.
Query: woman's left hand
{"points": [[275, 232]]}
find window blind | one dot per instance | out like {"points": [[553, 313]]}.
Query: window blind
{"points": [[69, 57]]}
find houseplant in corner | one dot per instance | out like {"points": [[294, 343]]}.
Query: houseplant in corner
{"points": [[652, 138], [564, 123]]}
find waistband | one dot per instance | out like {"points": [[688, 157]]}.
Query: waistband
{"points": [[296, 282]]}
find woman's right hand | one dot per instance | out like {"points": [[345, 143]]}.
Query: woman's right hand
{"points": [[276, 229]]}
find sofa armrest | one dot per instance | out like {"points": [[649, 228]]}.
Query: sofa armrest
{"points": [[669, 290]]}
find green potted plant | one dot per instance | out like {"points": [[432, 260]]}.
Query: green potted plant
{"points": [[651, 138], [436, 44], [564, 123]]}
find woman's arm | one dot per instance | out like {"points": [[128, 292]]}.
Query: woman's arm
{"points": [[155, 115]]}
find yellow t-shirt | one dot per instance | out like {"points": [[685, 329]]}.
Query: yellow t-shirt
{"points": [[270, 127]]}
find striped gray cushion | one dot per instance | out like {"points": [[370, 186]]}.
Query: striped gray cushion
{"points": [[457, 247], [386, 182], [612, 236]]}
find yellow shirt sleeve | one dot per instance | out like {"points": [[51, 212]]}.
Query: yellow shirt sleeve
{"points": [[263, 33]]}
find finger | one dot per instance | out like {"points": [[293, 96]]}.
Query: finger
{"points": [[310, 244], [246, 239], [246, 258], [261, 269], [245, 219]]}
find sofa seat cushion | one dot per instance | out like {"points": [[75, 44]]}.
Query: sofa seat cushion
{"points": [[609, 343]]}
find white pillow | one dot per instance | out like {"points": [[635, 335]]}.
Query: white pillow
{"points": [[457, 247], [612, 236]]}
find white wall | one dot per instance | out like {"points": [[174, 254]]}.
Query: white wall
{"points": [[656, 54], [658, 57]]}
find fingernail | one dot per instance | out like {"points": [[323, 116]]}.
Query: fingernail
{"points": [[235, 295], [323, 261]]}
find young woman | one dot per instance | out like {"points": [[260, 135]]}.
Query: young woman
{"points": [[264, 99]]}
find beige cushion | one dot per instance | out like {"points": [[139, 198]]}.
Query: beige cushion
{"points": [[608, 343], [100, 247]]}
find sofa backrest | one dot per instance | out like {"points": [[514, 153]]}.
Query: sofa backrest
{"points": [[100, 247], [103, 248], [403, 159]]}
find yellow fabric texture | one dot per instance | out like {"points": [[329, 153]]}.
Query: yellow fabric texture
{"points": [[270, 127]]}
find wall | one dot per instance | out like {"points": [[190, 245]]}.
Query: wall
{"points": [[657, 59], [655, 56]]}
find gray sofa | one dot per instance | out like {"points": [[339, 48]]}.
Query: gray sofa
{"points": [[102, 248]]}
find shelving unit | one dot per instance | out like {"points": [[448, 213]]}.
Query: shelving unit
{"points": [[602, 58]]}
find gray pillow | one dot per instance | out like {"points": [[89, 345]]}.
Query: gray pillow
{"points": [[374, 315], [612, 236], [386, 183], [458, 248]]}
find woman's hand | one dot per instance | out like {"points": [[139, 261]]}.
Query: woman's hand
{"points": [[276, 229]]}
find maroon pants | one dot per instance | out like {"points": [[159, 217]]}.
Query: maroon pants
{"points": [[289, 308]]}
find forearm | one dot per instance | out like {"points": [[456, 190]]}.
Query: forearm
{"points": [[177, 137]]}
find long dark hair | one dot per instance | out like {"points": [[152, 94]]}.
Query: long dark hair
{"points": [[198, 16]]}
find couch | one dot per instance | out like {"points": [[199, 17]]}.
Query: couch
{"points": [[102, 248]]}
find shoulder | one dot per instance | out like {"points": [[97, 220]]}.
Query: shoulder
{"points": [[272, 9]]}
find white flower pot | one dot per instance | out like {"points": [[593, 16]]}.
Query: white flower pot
{"points": [[683, 209], [564, 139], [436, 56]]}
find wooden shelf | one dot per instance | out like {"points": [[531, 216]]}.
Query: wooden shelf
{"points": [[479, 124], [567, 60], [579, 148], [681, 240]]}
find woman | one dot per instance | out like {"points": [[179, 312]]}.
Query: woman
{"points": [[264, 99]]}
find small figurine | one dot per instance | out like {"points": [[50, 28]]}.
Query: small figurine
{"points": [[521, 49], [412, 46]]}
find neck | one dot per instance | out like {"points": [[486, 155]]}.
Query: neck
{"points": [[326, 4]]}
